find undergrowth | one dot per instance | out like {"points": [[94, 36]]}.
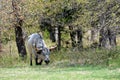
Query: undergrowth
{"points": [[68, 57]]}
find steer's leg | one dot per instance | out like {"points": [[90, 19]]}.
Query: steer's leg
{"points": [[36, 59], [40, 63], [31, 59], [31, 52]]}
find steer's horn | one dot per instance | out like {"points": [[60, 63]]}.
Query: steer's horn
{"points": [[52, 48]]}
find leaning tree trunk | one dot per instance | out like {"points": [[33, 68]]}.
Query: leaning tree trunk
{"points": [[18, 30]]}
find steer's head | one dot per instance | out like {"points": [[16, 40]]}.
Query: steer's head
{"points": [[46, 53]]}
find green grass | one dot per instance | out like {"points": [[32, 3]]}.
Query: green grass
{"points": [[65, 65], [68, 73]]}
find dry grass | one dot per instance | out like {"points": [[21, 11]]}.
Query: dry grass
{"points": [[66, 64], [65, 57]]}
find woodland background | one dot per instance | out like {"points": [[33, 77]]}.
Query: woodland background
{"points": [[86, 32]]}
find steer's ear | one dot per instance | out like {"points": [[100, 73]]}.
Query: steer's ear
{"points": [[53, 48]]}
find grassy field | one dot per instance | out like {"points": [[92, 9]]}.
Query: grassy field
{"points": [[50, 73], [64, 65]]}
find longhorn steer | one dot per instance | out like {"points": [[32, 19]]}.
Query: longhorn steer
{"points": [[37, 47]]}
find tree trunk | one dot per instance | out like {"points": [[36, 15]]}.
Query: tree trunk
{"points": [[112, 37], [56, 34], [18, 30], [79, 37], [94, 38], [59, 37], [94, 35], [107, 38], [76, 36], [103, 40], [20, 42], [104, 37], [73, 36], [0, 41]]}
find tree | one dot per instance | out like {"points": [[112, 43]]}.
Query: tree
{"points": [[105, 15], [0, 41], [18, 29], [62, 14]]}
